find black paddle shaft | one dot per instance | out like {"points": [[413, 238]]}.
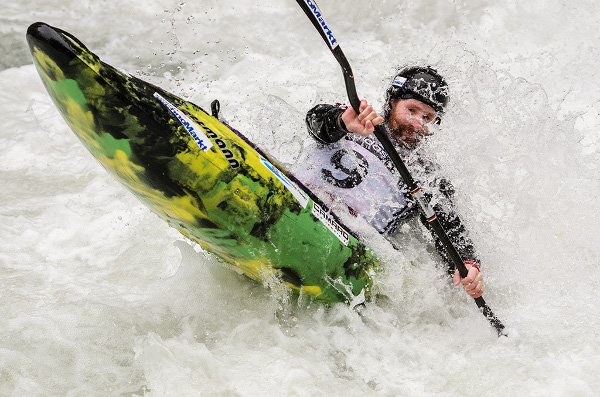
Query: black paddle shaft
{"points": [[314, 14]]}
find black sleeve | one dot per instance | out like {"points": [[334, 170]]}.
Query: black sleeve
{"points": [[325, 124], [453, 227]]}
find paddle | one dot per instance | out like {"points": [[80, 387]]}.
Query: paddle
{"points": [[314, 14]]}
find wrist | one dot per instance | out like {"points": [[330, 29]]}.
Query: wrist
{"points": [[472, 263], [340, 123]]}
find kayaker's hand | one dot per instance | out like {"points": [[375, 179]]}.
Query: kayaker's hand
{"points": [[363, 123], [473, 283]]}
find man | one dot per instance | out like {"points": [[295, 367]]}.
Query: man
{"points": [[352, 166]]}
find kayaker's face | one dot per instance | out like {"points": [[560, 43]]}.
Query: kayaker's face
{"points": [[410, 120]]}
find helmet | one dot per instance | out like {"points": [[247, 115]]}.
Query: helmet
{"points": [[421, 83]]}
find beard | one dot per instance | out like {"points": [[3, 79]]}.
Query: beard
{"points": [[405, 134]]}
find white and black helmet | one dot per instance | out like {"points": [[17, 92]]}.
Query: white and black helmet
{"points": [[422, 83]]}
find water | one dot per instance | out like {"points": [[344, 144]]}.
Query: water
{"points": [[99, 297]]}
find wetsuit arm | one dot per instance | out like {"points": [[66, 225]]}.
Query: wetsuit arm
{"points": [[324, 123], [455, 229]]}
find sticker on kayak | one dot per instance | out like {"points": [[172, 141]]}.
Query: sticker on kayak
{"points": [[192, 128], [331, 224], [291, 186], [222, 145]]}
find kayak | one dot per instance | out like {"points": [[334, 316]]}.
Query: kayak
{"points": [[201, 176]]}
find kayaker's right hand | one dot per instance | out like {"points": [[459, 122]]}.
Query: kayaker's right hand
{"points": [[363, 123]]}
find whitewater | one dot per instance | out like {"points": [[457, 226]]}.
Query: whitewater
{"points": [[98, 297]]}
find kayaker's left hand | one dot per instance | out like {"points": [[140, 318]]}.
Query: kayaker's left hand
{"points": [[473, 283]]}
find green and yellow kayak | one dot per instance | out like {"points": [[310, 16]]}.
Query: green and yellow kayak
{"points": [[201, 176]]}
